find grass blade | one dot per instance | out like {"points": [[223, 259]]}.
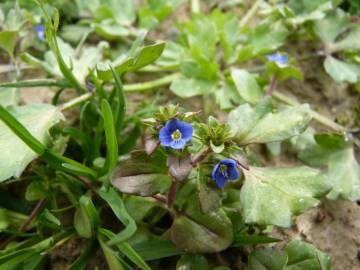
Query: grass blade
{"points": [[21, 131], [127, 250], [118, 207], [110, 136], [157, 249]]}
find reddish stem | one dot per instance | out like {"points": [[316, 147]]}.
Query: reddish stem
{"points": [[199, 157], [172, 194], [272, 86]]}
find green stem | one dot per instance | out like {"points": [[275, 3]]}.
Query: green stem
{"points": [[317, 116], [127, 87], [75, 102], [251, 13], [151, 84]]}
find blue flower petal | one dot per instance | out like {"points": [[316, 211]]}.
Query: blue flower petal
{"points": [[40, 29], [165, 137], [281, 59], [220, 179], [173, 124], [165, 134], [229, 162], [178, 144], [186, 131], [215, 170], [234, 173]]}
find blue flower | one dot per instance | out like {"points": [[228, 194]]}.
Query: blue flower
{"points": [[175, 134], [40, 30], [281, 59], [224, 171]]}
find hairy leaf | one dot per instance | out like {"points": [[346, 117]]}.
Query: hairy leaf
{"points": [[273, 195], [343, 170], [259, 125], [16, 155]]}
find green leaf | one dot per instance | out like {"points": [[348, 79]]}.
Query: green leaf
{"points": [[36, 120], [123, 11], [267, 259], [188, 87], [343, 169], [142, 174], [112, 258], [104, 71], [303, 256], [349, 42], [126, 249], [264, 38], [256, 125], [111, 30], [273, 195], [8, 96], [145, 56], [118, 207], [148, 55], [171, 56], [110, 136], [118, 103], [86, 218], [197, 232], [246, 85], [87, 254], [309, 10], [36, 190], [8, 41], [4, 219], [192, 262], [143, 184], [157, 249], [341, 71], [330, 27], [244, 240], [283, 72]]}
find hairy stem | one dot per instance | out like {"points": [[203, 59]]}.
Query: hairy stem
{"points": [[172, 194], [200, 156], [317, 116], [272, 86], [127, 87], [250, 13]]}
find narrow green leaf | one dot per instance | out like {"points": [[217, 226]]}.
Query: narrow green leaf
{"points": [[81, 262], [21, 131], [112, 258], [157, 249], [120, 109], [111, 138], [118, 207], [127, 250], [86, 218]]}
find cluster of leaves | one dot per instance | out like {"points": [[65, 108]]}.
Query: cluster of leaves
{"points": [[166, 199]]}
